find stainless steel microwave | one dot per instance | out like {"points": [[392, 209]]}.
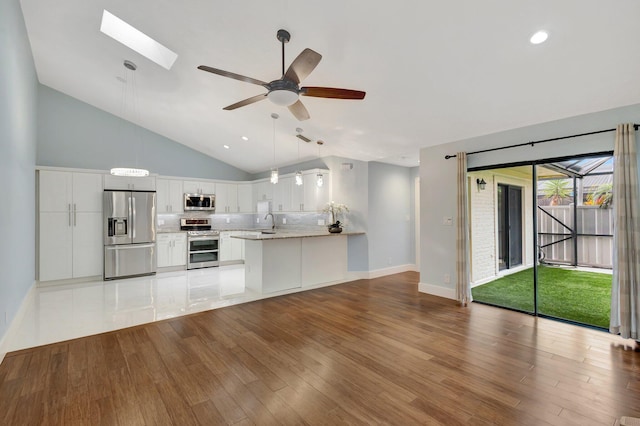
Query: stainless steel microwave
{"points": [[199, 202]]}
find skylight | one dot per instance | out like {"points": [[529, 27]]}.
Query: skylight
{"points": [[136, 40]]}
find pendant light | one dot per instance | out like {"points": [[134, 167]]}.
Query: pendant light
{"points": [[130, 67], [274, 170], [319, 177], [299, 172]]}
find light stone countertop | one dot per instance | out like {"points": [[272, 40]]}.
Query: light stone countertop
{"points": [[280, 233], [298, 233]]}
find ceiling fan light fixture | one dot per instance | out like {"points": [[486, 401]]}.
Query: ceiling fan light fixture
{"points": [[283, 97]]}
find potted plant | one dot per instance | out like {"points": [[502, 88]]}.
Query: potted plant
{"points": [[335, 226]]}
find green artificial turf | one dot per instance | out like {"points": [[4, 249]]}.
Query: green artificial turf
{"points": [[564, 293]]}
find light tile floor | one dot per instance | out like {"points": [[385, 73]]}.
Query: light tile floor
{"points": [[69, 311]]}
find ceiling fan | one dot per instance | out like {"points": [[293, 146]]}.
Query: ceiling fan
{"points": [[286, 90]]}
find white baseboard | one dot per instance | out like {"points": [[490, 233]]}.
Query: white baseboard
{"points": [[436, 290], [27, 302], [377, 273]]}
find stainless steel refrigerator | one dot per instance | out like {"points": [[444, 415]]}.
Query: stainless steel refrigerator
{"points": [[129, 234]]}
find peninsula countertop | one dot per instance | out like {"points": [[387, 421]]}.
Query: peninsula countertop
{"points": [[293, 233]]}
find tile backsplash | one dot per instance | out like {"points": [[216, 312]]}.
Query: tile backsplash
{"points": [[249, 221]]}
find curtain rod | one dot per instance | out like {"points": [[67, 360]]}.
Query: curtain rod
{"points": [[532, 143]]}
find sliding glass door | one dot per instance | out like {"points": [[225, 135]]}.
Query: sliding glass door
{"points": [[541, 238]]}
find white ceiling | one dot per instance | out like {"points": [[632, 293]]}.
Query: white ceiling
{"points": [[434, 71]]}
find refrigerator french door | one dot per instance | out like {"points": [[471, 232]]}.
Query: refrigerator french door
{"points": [[129, 234]]}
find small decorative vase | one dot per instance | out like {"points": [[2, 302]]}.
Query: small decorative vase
{"points": [[335, 228]]}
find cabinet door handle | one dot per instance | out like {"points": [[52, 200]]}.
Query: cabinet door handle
{"points": [[74, 214], [69, 207]]}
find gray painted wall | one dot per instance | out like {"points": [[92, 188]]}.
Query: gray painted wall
{"points": [[438, 176], [390, 210], [72, 133], [18, 96], [350, 187]]}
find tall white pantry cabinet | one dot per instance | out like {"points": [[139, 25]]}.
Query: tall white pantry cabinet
{"points": [[70, 225]]}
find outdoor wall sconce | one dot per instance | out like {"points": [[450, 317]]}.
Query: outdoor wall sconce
{"points": [[481, 184]]}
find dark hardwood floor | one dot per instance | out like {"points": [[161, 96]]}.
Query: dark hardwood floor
{"points": [[367, 352]]}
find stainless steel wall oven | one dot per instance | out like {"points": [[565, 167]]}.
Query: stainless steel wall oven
{"points": [[202, 243]]}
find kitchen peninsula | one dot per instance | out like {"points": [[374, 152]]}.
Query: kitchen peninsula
{"points": [[292, 259]]}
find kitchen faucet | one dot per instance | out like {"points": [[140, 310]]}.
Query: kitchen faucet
{"points": [[273, 220]]}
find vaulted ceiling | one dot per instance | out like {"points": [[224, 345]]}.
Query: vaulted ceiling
{"points": [[434, 71]]}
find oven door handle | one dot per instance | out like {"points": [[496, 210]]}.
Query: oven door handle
{"points": [[212, 237]]}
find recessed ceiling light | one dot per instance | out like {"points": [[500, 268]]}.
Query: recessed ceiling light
{"points": [[226, 146], [539, 37], [135, 39], [244, 138]]}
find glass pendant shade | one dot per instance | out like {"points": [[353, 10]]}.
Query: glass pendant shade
{"points": [[319, 180], [298, 178], [274, 176]]}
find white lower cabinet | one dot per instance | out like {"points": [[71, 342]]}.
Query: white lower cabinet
{"points": [[172, 249], [231, 249], [70, 248], [274, 265]]}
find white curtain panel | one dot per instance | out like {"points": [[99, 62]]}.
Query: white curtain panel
{"points": [[463, 285], [625, 292]]}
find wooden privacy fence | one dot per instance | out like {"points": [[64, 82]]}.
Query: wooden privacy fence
{"points": [[591, 238]]}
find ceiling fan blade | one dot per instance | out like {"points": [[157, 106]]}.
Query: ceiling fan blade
{"points": [[232, 75], [245, 102], [331, 92], [299, 111], [302, 66]]}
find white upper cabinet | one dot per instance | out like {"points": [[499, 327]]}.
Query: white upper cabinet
{"points": [[245, 198], [282, 194], [145, 183], [199, 187], [66, 191], [170, 195], [262, 191], [227, 198], [55, 191]]}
